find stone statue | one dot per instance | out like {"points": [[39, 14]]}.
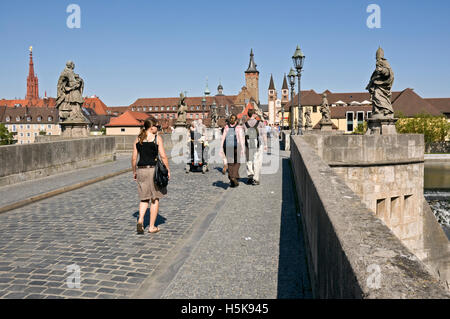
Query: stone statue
{"points": [[325, 110], [380, 86], [308, 124], [70, 95], [214, 117], [182, 109]]}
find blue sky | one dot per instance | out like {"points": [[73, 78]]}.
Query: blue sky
{"points": [[130, 49]]}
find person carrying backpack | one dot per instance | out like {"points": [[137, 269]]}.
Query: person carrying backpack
{"points": [[233, 147], [255, 145]]}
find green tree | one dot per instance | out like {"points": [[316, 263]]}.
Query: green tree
{"points": [[42, 132], [6, 137], [103, 130], [361, 129], [434, 128]]}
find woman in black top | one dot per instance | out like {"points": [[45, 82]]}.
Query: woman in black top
{"points": [[148, 144]]}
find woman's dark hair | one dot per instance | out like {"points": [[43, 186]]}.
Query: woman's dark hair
{"points": [[147, 124]]}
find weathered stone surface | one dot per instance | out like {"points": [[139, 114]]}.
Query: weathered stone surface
{"points": [[30, 161], [347, 243]]}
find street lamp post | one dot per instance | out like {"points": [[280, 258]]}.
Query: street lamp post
{"points": [[203, 107], [298, 58], [291, 77], [282, 116]]}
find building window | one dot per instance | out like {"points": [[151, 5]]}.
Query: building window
{"points": [[150, 108], [133, 109], [349, 116], [314, 108], [14, 128], [360, 117], [28, 134], [28, 126], [196, 116], [162, 108], [21, 134], [122, 130], [174, 108], [35, 134], [49, 133], [145, 109], [49, 126], [369, 113], [39, 118], [191, 115], [8, 119], [18, 118], [50, 119], [28, 118]]}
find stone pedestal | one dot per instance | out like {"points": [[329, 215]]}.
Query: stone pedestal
{"points": [[326, 126], [381, 126], [74, 130]]}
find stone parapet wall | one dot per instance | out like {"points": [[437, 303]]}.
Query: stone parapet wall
{"points": [[24, 162], [352, 253]]}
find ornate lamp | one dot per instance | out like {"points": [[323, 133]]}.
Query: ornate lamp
{"points": [[298, 58], [291, 77]]}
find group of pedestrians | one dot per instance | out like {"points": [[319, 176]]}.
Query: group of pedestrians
{"points": [[239, 144], [244, 143]]}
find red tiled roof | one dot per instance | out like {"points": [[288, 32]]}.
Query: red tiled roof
{"points": [[339, 112], [406, 102], [245, 111], [129, 118], [190, 101], [409, 103], [442, 104], [45, 102], [20, 115], [96, 104]]}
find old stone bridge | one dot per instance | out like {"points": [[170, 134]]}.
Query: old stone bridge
{"points": [[338, 217]]}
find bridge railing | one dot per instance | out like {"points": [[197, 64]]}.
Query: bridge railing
{"points": [[351, 253]]}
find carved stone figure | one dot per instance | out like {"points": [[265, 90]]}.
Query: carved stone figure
{"points": [[70, 95], [325, 110], [182, 109], [308, 124], [380, 86], [214, 117]]}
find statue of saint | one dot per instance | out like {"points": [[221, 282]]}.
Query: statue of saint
{"points": [[380, 86], [182, 108], [325, 110], [214, 117], [308, 123], [70, 95]]}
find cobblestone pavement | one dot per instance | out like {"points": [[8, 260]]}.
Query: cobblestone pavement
{"points": [[94, 228], [16, 192]]}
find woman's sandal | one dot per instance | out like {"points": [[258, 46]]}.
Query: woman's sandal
{"points": [[155, 231], [140, 228]]}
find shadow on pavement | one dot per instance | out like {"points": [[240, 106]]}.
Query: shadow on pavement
{"points": [[159, 220], [221, 184], [293, 278]]}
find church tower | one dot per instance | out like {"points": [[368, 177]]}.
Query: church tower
{"points": [[285, 91], [252, 78], [32, 81], [272, 101]]}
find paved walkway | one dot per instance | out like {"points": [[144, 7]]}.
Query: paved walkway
{"points": [[22, 191], [215, 242]]}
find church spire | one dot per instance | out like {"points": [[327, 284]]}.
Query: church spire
{"points": [[271, 85], [285, 86], [251, 64], [32, 80]]}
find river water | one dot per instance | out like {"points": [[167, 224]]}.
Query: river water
{"points": [[437, 192]]}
